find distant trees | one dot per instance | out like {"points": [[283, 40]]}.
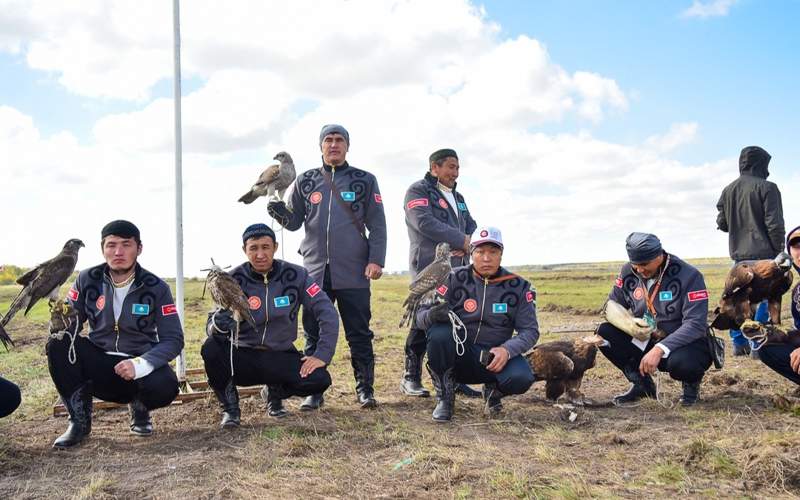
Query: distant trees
{"points": [[9, 274]]}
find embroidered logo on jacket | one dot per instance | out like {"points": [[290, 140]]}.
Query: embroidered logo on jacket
{"points": [[101, 302], [378, 198], [254, 302], [419, 202], [665, 296], [140, 309], [443, 203], [530, 296], [282, 301], [315, 197], [500, 308], [313, 290], [73, 294], [618, 282], [462, 206], [638, 293], [470, 305], [349, 195], [441, 290], [168, 310], [698, 295]]}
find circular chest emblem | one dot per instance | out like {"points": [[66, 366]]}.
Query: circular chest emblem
{"points": [[101, 302], [254, 302], [470, 305], [638, 294], [443, 203], [484, 233], [315, 197]]}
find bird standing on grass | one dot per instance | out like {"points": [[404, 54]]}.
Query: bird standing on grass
{"points": [[273, 181]]}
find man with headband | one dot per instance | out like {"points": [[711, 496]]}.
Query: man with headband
{"points": [[656, 315], [275, 290], [133, 333]]}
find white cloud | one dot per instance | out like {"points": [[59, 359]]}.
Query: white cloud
{"points": [[706, 9], [678, 135]]}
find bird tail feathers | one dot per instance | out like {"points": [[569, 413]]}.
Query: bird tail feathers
{"points": [[20, 301]]}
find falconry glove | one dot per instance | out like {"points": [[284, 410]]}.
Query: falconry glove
{"points": [[280, 212], [440, 313], [220, 322], [623, 319]]}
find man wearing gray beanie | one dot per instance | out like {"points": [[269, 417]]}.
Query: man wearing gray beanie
{"points": [[656, 320], [341, 209]]}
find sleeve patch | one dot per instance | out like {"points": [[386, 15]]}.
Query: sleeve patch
{"points": [[441, 290], [169, 310], [73, 294], [313, 290], [378, 198], [419, 202], [698, 295], [618, 282], [530, 296]]}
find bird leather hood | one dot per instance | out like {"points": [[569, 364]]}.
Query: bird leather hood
{"points": [[753, 160]]}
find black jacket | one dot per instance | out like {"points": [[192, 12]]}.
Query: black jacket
{"points": [[750, 210]]}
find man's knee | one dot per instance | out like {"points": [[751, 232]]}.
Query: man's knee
{"points": [[687, 368], [210, 349], [609, 331], [439, 334], [519, 378], [159, 389]]}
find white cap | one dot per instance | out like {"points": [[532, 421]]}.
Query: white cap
{"points": [[486, 234]]}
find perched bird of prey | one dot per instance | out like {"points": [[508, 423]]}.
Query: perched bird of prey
{"points": [[62, 317], [227, 294], [749, 284], [44, 280], [275, 179], [423, 289], [5, 338], [769, 334], [562, 364]]}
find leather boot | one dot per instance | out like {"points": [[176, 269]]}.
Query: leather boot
{"points": [[229, 401], [467, 391], [493, 399], [365, 377], [79, 407], [272, 396], [411, 384], [445, 385], [691, 393], [141, 425], [312, 402], [641, 387]]}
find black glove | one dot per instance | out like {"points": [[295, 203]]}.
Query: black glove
{"points": [[220, 322], [439, 313], [280, 212]]}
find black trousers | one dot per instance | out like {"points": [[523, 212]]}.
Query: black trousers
{"points": [[515, 378], [776, 356], [10, 397], [95, 367], [280, 370], [686, 364], [354, 309], [416, 342]]}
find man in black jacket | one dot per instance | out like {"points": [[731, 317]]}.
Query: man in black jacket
{"points": [[750, 211], [9, 397]]}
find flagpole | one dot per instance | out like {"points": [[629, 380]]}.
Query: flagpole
{"points": [[176, 30]]}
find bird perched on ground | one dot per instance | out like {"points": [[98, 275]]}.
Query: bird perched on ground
{"points": [[423, 289], [227, 294], [44, 280], [749, 284], [562, 364], [275, 179], [769, 334]]}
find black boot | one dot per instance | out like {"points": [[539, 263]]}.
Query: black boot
{"points": [[312, 402], [641, 387], [467, 391], [141, 425], [445, 386], [274, 399], [411, 384], [691, 393], [79, 407], [493, 398], [229, 401], [365, 377]]}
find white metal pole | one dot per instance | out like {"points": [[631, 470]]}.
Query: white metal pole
{"points": [[176, 25]]}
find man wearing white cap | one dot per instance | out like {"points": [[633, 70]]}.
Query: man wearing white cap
{"points": [[491, 302]]}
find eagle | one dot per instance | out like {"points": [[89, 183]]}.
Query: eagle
{"points": [[769, 334], [44, 280], [227, 294], [423, 289], [750, 283], [275, 179], [562, 363]]}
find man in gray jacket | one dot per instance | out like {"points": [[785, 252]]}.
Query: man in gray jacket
{"points": [[344, 247], [750, 211]]}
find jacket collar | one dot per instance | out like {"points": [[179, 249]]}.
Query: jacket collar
{"points": [[501, 275], [341, 167], [272, 273], [138, 271], [434, 182]]}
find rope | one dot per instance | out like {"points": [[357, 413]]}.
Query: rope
{"points": [[72, 355], [457, 324], [759, 337], [234, 340]]}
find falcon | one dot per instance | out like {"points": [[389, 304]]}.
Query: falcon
{"points": [[227, 294], [423, 289], [44, 280], [275, 179], [749, 284], [562, 364]]}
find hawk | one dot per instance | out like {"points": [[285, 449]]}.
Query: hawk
{"points": [[750, 283], [562, 364], [227, 294], [275, 179], [44, 280], [423, 289]]}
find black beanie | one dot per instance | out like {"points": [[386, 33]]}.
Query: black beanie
{"points": [[121, 228]]}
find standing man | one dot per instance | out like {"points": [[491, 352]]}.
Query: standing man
{"points": [[435, 213], [134, 332], [275, 289], [750, 211], [344, 247], [656, 314]]}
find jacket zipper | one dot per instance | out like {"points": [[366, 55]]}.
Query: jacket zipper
{"points": [[328, 228], [483, 306], [116, 322], [266, 307]]}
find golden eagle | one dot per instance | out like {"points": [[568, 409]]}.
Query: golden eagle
{"points": [[562, 364]]}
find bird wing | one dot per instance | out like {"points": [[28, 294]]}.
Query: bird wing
{"points": [[30, 275], [5, 338], [268, 175], [550, 363], [739, 277], [433, 275], [52, 275], [229, 295]]}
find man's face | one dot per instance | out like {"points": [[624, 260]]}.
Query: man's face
{"points": [[260, 253], [486, 259], [120, 253], [650, 268], [794, 250], [334, 149], [447, 172]]}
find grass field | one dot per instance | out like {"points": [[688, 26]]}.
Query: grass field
{"points": [[742, 440]]}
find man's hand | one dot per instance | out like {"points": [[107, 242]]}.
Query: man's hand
{"points": [[279, 211], [650, 361], [373, 271], [641, 329], [794, 360], [440, 313], [310, 363], [499, 361], [125, 369]]}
